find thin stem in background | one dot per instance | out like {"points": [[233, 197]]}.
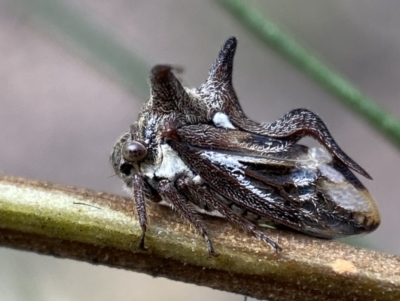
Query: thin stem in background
{"points": [[305, 61], [98, 44]]}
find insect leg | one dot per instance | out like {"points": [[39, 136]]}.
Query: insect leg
{"points": [[137, 193], [167, 190], [195, 191]]}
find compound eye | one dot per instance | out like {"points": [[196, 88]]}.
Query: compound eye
{"points": [[134, 151]]}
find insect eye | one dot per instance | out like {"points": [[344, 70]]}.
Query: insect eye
{"points": [[134, 151]]}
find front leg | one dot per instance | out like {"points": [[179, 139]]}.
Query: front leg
{"points": [[167, 190], [137, 193]]}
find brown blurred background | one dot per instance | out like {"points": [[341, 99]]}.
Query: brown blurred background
{"points": [[62, 108]]}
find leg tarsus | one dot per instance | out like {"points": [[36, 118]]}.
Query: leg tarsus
{"points": [[195, 191], [167, 189], [142, 245]]}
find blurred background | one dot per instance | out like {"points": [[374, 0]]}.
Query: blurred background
{"points": [[63, 104]]}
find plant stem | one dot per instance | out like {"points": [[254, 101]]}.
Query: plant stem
{"points": [[101, 228]]}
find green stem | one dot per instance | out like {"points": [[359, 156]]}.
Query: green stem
{"points": [[100, 228]]}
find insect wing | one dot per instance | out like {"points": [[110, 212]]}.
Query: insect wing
{"points": [[291, 185], [246, 146]]}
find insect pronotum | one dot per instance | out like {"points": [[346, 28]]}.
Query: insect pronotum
{"points": [[196, 149]]}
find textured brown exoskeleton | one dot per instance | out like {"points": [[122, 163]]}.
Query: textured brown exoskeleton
{"points": [[196, 149]]}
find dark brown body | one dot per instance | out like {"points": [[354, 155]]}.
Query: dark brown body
{"points": [[197, 149]]}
